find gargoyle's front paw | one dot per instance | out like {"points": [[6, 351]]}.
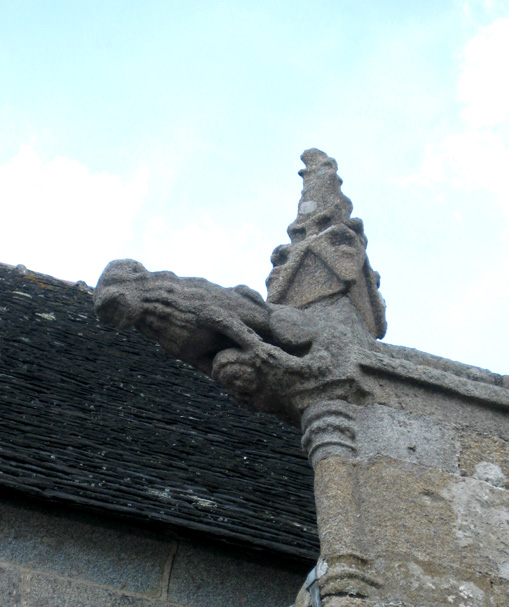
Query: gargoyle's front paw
{"points": [[236, 371]]}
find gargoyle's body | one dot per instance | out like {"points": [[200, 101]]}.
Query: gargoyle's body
{"points": [[229, 334], [190, 317]]}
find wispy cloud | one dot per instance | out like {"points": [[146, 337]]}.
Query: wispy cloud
{"points": [[61, 219], [203, 247], [483, 86], [475, 157], [466, 168]]}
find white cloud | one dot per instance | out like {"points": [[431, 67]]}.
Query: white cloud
{"points": [[474, 12], [469, 161], [466, 167], [483, 85], [205, 248], [61, 219], [476, 158]]}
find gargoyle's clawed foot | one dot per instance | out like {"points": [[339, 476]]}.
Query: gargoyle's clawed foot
{"points": [[236, 370]]}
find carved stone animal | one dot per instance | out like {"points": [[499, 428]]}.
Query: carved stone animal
{"points": [[231, 334]]}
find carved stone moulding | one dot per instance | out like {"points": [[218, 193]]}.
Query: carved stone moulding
{"points": [[328, 430], [340, 577], [346, 575]]}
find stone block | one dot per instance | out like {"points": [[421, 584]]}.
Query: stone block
{"points": [[437, 517], [384, 431], [443, 407], [485, 458], [207, 577], [82, 546], [409, 582], [393, 507], [10, 587], [46, 591]]}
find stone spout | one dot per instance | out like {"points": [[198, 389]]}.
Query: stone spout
{"points": [[280, 355], [260, 352]]}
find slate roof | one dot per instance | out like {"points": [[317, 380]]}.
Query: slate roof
{"points": [[93, 417]]}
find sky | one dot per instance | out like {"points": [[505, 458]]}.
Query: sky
{"points": [[170, 132]]}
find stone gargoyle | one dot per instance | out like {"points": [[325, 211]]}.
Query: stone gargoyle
{"points": [[253, 348], [271, 356]]}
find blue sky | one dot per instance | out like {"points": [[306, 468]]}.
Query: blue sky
{"points": [[171, 132]]}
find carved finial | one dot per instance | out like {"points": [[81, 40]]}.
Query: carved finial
{"points": [[321, 190], [327, 255]]}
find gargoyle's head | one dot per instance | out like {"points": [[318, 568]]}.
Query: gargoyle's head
{"points": [[116, 296]]}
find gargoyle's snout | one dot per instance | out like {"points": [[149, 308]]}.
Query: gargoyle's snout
{"points": [[116, 295], [120, 270], [115, 308]]}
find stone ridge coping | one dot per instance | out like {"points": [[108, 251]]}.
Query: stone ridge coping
{"points": [[467, 381], [442, 364], [24, 271]]}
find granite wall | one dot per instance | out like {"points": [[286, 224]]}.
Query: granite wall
{"points": [[55, 558]]}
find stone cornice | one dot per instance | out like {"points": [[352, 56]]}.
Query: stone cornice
{"points": [[406, 370]]}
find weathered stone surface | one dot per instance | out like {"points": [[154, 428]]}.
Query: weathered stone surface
{"points": [[501, 594], [410, 516], [446, 396], [10, 587], [209, 578], [481, 525], [83, 547], [327, 254], [65, 560], [337, 601], [408, 581], [342, 569], [47, 591], [384, 426], [388, 363], [339, 428], [385, 431], [485, 458]]}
